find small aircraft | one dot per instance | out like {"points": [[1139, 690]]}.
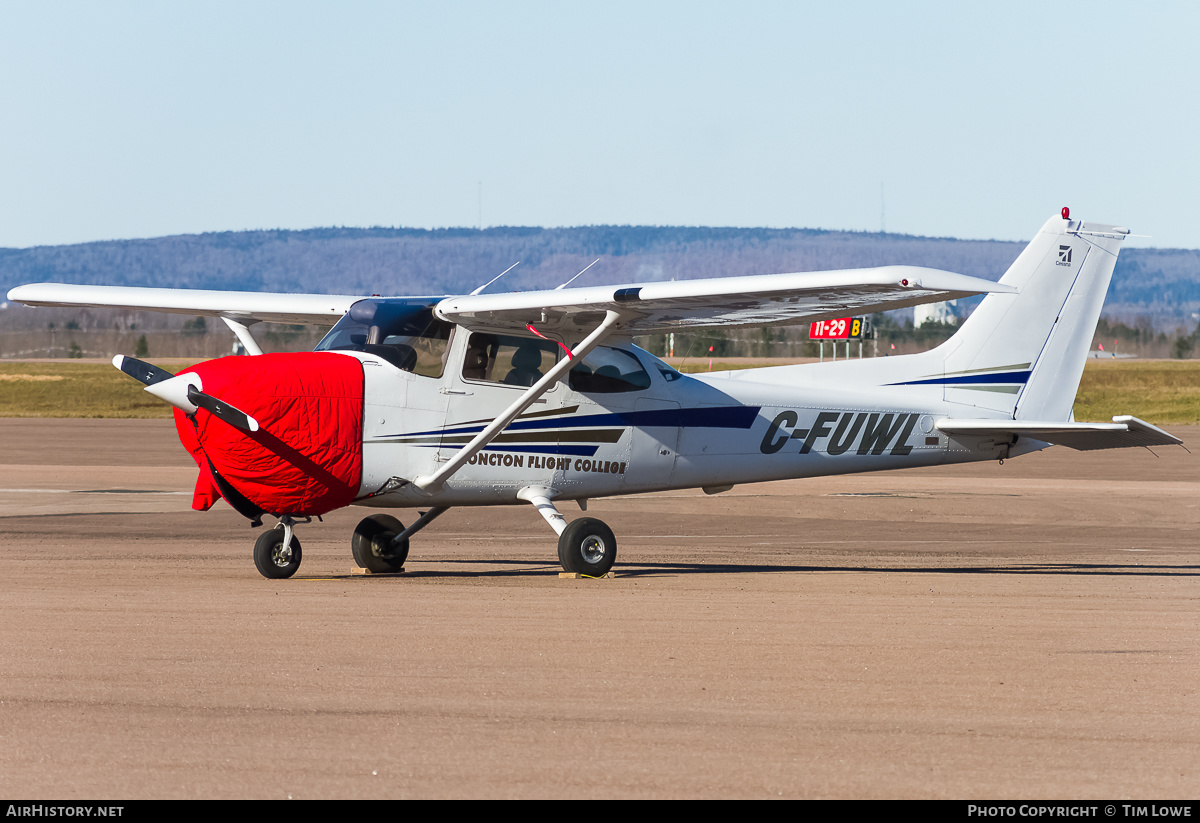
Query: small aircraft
{"points": [[539, 397]]}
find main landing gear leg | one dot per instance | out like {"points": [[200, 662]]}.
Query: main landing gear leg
{"points": [[380, 542], [586, 546]]}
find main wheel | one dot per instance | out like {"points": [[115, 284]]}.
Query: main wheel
{"points": [[270, 558], [372, 547], [587, 546]]}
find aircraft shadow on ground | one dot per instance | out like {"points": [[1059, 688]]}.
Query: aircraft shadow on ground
{"points": [[527, 568]]}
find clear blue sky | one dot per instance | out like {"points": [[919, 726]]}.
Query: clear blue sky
{"points": [[978, 120]]}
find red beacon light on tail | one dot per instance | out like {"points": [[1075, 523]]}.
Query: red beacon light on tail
{"points": [[1066, 213]]}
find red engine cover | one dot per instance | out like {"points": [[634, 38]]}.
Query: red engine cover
{"points": [[306, 457]]}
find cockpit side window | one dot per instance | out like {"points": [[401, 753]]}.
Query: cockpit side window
{"points": [[404, 334], [513, 361], [608, 371]]}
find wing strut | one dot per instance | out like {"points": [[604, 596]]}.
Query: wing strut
{"points": [[242, 329], [432, 482]]}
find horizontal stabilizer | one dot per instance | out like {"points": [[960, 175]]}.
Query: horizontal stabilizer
{"points": [[1125, 431]]}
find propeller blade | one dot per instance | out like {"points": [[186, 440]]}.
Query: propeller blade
{"points": [[141, 370], [185, 392], [220, 409]]}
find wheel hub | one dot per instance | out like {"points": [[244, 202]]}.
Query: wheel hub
{"points": [[593, 549]]}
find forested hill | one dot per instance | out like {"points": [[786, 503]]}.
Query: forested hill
{"points": [[1159, 283]]}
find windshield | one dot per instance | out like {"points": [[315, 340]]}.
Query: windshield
{"points": [[405, 334]]}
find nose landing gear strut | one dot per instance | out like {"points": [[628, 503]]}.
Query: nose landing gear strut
{"points": [[277, 552]]}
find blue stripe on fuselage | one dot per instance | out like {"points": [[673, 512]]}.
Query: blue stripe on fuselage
{"points": [[971, 379], [716, 417], [569, 451]]}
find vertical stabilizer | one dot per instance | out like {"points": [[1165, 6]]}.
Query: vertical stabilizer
{"points": [[1023, 354]]}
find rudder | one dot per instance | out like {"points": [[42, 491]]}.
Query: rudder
{"points": [[1023, 354]]}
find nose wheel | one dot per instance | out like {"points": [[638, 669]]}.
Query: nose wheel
{"points": [[277, 553]]}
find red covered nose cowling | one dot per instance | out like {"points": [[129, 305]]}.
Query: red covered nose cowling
{"points": [[306, 457]]}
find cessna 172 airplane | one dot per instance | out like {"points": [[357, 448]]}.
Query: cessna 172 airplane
{"points": [[539, 397]]}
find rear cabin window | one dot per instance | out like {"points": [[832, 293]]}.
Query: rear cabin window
{"points": [[512, 361], [608, 371]]}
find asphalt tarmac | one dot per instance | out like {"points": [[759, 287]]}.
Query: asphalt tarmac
{"points": [[1026, 630]]}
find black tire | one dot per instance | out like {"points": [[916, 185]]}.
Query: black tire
{"points": [[587, 546], [268, 555], [371, 544]]}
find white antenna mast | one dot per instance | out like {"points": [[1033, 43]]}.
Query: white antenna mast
{"points": [[882, 223], [497, 277], [576, 277]]}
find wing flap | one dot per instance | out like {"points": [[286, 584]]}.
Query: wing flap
{"points": [[725, 302], [1124, 432]]}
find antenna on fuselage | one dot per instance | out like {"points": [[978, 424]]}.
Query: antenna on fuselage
{"points": [[497, 277], [576, 277]]}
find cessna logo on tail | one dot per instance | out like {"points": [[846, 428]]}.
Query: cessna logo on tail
{"points": [[1064, 256], [872, 431]]}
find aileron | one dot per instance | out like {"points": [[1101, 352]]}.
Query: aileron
{"points": [[319, 309]]}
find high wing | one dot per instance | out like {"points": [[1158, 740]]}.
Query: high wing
{"points": [[242, 306], [1125, 431], [726, 302]]}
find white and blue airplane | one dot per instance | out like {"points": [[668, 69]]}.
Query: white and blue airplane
{"points": [[539, 397]]}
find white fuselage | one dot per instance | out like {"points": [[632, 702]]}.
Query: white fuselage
{"points": [[682, 431]]}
